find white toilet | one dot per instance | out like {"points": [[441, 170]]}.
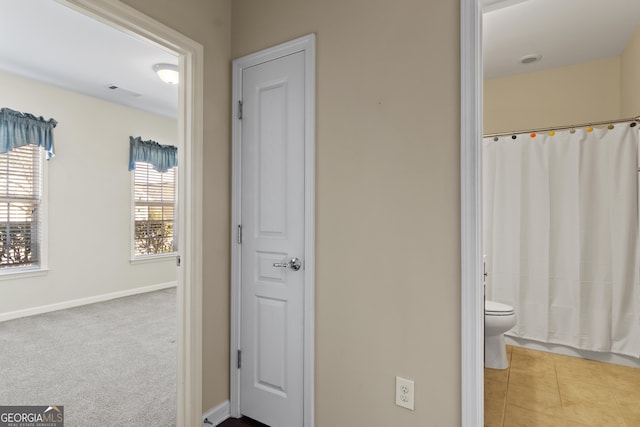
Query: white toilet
{"points": [[498, 319]]}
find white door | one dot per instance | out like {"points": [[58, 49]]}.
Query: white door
{"points": [[272, 219]]}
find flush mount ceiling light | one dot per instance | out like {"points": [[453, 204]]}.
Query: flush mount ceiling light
{"points": [[531, 58], [168, 73]]}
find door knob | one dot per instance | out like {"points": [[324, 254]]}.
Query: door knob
{"points": [[293, 264]]}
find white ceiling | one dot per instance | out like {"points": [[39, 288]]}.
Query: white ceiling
{"points": [[564, 32], [46, 41], [49, 42]]}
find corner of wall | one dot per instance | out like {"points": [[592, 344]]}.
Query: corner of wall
{"points": [[630, 77]]}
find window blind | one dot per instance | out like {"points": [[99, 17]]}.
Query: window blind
{"points": [[154, 211], [20, 201]]}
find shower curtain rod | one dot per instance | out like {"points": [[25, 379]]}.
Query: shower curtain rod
{"points": [[548, 129]]}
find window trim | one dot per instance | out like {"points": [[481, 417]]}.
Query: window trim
{"points": [[147, 258], [19, 273], [43, 268]]}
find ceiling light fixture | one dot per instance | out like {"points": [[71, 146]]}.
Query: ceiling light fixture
{"points": [[168, 73], [530, 59]]}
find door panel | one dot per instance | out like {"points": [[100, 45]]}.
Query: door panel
{"points": [[272, 215], [271, 353]]}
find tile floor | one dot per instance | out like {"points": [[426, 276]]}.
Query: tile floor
{"points": [[545, 389]]}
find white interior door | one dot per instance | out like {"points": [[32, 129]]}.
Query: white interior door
{"points": [[273, 226]]}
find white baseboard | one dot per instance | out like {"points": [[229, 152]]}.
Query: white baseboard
{"points": [[217, 415], [617, 359], [83, 301]]}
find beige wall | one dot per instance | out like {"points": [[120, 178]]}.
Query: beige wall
{"points": [[556, 97], [601, 90], [387, 195], [387, 290], [208, 23], [92, 152], [630, 73]]}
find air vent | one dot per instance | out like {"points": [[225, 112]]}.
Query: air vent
{"points": [[123, 91]]}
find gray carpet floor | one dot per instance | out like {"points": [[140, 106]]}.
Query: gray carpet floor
{"points": [[109, 364]]}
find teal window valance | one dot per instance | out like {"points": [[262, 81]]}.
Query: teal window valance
{"points": [[160, 157], [19, 129]]}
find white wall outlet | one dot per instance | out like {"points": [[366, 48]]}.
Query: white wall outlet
{"points": [[404, 393]]}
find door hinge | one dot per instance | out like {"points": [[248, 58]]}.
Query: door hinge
{"points": [[177, 260], [239, 234], [240, 110], [239, 358]]}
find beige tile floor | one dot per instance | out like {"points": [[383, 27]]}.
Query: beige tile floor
{"points": [[545, 389]]}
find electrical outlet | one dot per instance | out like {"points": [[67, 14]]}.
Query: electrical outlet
{"points": [[404, 393]]}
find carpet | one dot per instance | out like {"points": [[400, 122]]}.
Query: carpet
{"points": [[109, 364]]}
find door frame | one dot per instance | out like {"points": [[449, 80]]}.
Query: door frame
{"points": [[190, 134], [471, 291], [304, 44]]}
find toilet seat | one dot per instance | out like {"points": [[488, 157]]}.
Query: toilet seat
{"points": [[492, 308]]}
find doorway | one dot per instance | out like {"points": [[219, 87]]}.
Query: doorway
{"points": [[471, 81], [273, 221], [189, 290]]}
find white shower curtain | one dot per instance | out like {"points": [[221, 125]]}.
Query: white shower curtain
{"points": [[561, 236]]}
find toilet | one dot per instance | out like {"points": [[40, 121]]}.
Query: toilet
{"points": [[498, 319]]}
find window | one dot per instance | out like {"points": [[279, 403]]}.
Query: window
{"points": [[21, 208], [154, 196]]}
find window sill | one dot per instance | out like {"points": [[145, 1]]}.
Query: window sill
{"points": [[153, 258], [23, 273]]}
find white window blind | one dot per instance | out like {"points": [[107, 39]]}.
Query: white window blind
{"points": [[20, 207], [154, 210]]}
